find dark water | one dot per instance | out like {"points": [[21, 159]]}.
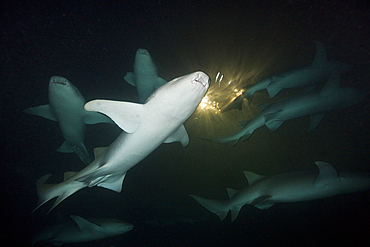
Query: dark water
{"points": [[93, 45]]}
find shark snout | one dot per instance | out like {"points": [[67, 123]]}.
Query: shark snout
{"points": [[202, 78], [58, 80]]}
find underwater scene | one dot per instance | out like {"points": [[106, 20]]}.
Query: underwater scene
{"points": [[185, 123]]}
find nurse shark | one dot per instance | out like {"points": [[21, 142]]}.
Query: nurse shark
{"points": [[66, 106], [263, 192], [319, 71], [146, 126], [144, 77], [81, 230], [313, 104]]}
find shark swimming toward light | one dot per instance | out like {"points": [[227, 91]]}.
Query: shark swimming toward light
{"points": [[66, 106], [319, 71], [263, 192], [81, 230], [331, 97], [145, 76], [146, 126]]}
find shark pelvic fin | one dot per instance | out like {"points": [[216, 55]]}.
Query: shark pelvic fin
{"points": [[218, 207]]}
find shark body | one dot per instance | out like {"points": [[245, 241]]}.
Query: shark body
{"points": [[66, 106], [146, 126], [81, 230], [144, 77], [316, 103], [263, 192], [319, 71]]}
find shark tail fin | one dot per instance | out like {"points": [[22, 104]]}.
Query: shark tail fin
{"points": [[46, 192], [218, 207]]}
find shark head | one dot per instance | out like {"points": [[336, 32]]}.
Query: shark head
{"points": [[61, 90], [143, 62], [182, 94]]}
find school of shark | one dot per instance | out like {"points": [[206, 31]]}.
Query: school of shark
{"points": [[159, 117]]}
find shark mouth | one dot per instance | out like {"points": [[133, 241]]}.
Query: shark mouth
{"points": [[200, 79], [57, 80]]}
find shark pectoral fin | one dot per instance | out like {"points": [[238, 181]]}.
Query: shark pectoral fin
{"points": [[99, 151], [67, 147], [252, 177], [68, 175], [159, 82], [232, 192], [95, 118], [43, 111], [125, 114], [113, 185], [179, 135], [315, 120], [327, 175], [332, 85], [130, 78], [84, 225], [261, 203]]}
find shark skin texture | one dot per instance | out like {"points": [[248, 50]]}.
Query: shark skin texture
{"points": [[263, 192], [314, 104], [145, 77], [145, 127], [81, 230], [318, 72], [66, 106]]}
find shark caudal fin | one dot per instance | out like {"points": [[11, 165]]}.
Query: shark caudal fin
{"points": [[218, 207], [63, 190]]}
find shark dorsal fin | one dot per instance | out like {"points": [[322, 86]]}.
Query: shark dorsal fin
{"points": [[320, 57], [98, 151], [252, 177], [84, 225], [126, 115], [327, 175], [179, 135], [332, 86], [232, 192], [68, 175]]}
